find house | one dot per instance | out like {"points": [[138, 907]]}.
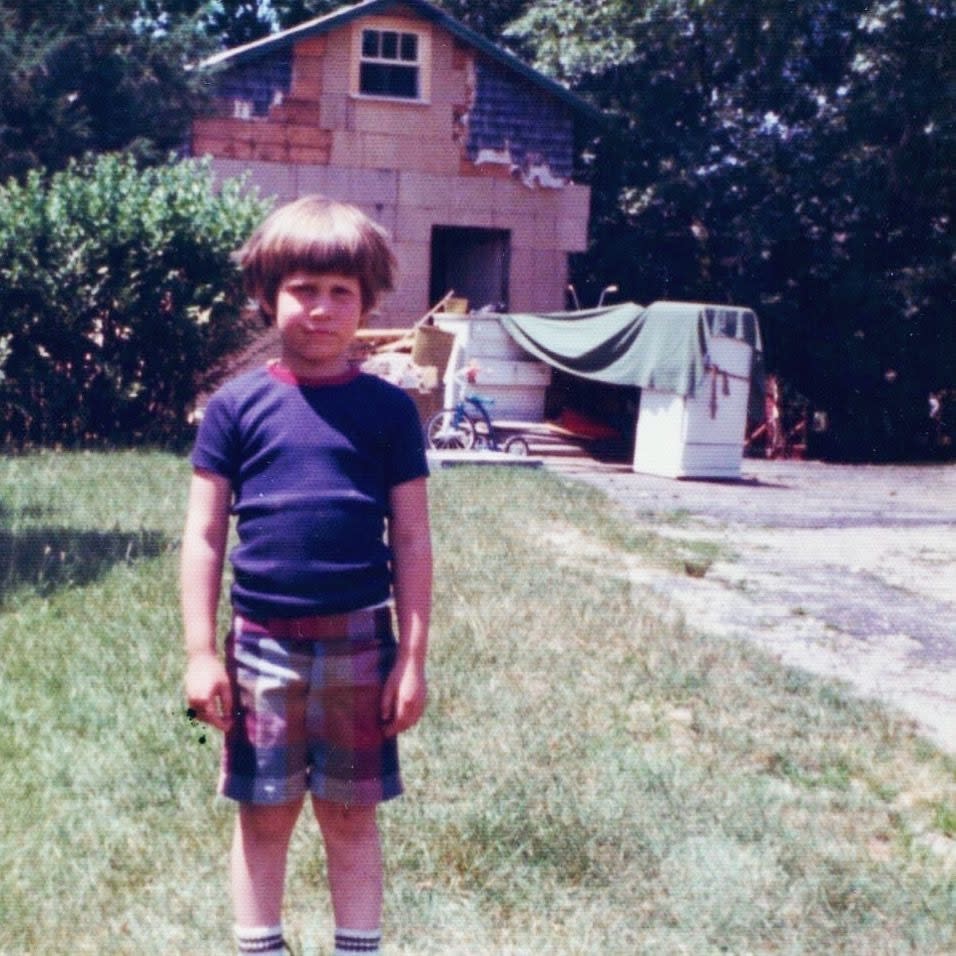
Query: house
{"points": [[459, 149]]}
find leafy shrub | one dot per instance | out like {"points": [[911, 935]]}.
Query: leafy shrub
{"points": [[118, 298]]}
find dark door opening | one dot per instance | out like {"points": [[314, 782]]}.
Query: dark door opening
{"points": [[474, 262]]}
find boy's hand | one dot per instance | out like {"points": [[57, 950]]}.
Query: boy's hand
{"points": [[404, 697], [208, 691]]}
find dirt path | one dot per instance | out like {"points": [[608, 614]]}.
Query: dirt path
{"points": [[846, 571]]}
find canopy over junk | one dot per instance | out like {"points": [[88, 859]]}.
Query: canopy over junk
{"points": [[666, 346], [692, 361]]}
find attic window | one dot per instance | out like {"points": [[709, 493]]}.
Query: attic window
{"points": [[390, 64]]}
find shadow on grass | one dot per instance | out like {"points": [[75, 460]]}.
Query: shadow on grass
{"points": [[46, 559]]}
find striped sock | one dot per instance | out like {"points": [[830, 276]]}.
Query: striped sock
{"points": [[260, 941], [348, 942]]}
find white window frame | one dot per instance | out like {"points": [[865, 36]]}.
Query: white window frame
{"points": [[422, 63]]}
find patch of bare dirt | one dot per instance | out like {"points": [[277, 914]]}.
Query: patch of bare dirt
{"points": [[848, 572]]}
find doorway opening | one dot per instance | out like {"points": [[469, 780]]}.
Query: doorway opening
{"points": [[474, 262]]}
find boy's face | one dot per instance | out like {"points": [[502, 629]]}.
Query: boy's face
{"points": [[317, 314]]}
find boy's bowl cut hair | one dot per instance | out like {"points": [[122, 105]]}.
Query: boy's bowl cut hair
{"points": [[316, 234]]}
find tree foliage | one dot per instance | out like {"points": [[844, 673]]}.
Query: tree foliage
{"points": [[78, 77], [118, 298], [792, 155], [489, 17], [234, 22]]}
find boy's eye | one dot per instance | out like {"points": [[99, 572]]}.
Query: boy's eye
{"points": [[301, 288], [307, 289]]}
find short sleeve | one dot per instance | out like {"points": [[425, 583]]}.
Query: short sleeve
{"points": [[215, 449], [405, 440]]}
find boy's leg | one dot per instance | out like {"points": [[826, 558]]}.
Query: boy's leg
{"points": [[354, 855], [258, 861]]}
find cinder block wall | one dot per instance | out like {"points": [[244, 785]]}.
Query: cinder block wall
{"points": [[403, 163]]}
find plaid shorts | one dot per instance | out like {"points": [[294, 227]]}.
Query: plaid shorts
{"points": [[308, 694]]}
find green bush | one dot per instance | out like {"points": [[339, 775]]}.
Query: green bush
{"points": [[118, 298]]}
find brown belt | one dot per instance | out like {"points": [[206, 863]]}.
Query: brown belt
{"points": [[363, 623]]}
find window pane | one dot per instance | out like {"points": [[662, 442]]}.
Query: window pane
{"points": [[409, 51], [370, 43], [383, 79], [389, 45], [404, 82], [372, 78]]}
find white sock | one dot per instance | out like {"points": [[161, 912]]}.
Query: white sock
{"points": [[260, 941], [365, 942]]}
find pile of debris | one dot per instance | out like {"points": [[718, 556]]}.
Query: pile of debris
{"points": [[414, 359]]}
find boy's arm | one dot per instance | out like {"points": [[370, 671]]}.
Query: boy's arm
{"points": [[204, 545], [404, 697]]}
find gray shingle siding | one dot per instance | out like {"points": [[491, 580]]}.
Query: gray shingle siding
{"points": [[510, 113], [258, 81]]}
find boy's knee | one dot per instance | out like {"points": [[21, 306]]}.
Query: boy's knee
{"points": [[273, 823], [345, 822]]}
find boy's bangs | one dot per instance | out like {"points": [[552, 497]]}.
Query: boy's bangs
{"points": [[314, 234], [329, 251]]}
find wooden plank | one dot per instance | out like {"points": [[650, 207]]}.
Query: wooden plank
{"points": [[205, 146], [281, 134], [297, 112], [220, 127], [381, 335], [312, 47], [306, 156], [489, 170], [307, 75]]}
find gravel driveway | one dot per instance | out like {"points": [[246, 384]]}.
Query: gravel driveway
{"points": [[846, 571]]}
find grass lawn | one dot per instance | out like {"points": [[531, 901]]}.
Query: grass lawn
{"points": [[590, 777]]}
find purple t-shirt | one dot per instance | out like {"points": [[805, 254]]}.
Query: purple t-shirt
{"points": [[311, 467]]}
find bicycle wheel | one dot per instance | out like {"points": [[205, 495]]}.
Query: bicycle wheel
{"points": [[449, 431], [516, 445]]}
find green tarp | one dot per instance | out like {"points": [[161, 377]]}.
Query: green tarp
{"points": [[663, 346]]}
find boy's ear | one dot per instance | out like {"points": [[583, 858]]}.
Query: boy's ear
{"points": [[369, 312]]}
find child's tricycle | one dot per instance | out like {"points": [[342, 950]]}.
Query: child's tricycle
{"points": [[469, 425]]}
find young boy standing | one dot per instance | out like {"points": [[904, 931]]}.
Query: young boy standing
{"points": [[324, 468]]}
